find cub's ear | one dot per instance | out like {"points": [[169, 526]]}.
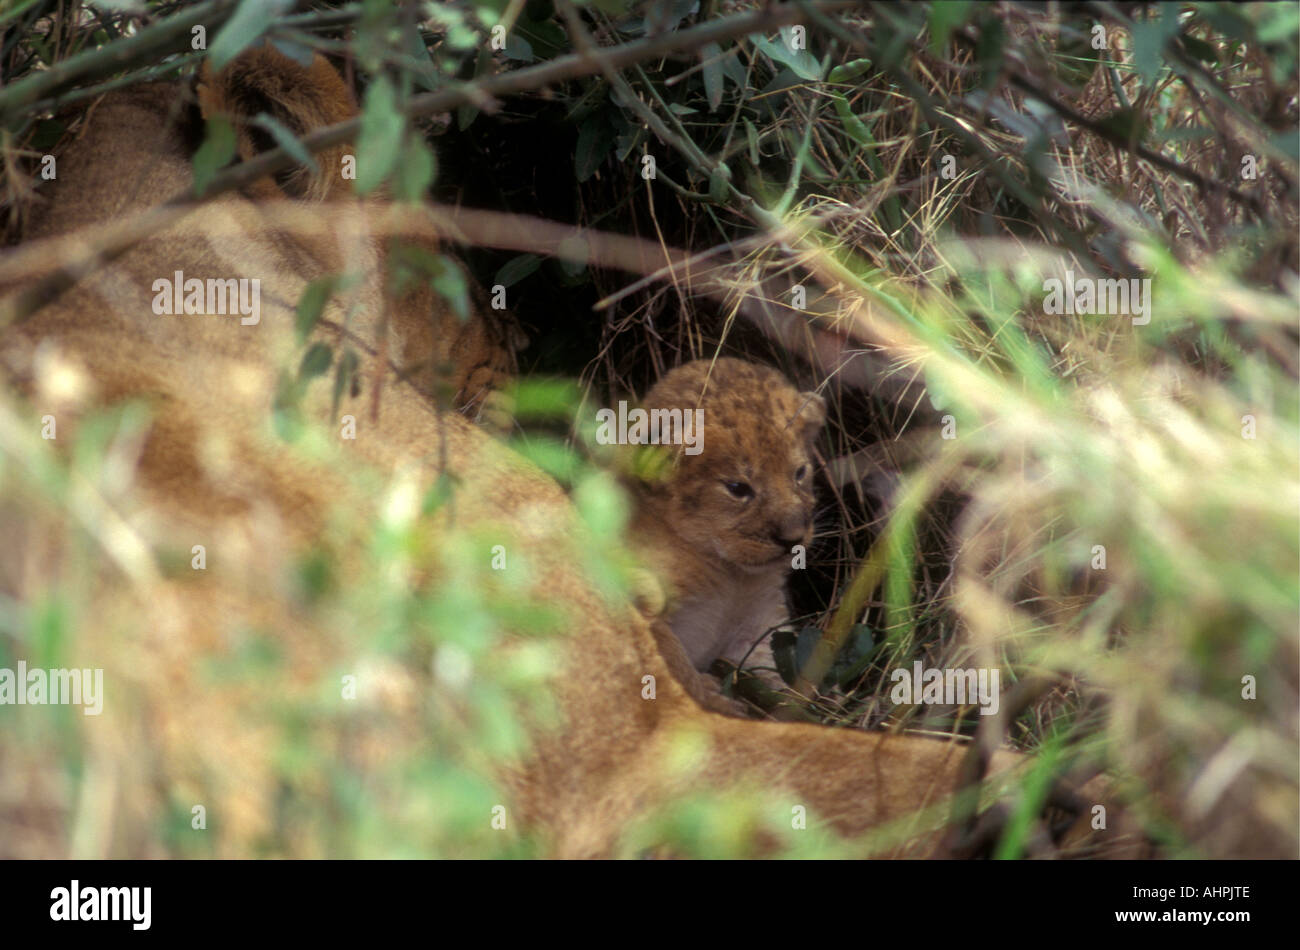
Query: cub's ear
{"points": [[812, 414]]}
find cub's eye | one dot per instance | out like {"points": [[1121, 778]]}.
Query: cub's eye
{"points": [[738, 489], [801, 473]]}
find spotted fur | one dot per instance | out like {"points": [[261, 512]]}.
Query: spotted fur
{"points": [[721, 526]]}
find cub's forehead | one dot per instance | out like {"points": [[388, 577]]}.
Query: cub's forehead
{"points": [[749, 411], [730, 389], [758, 442], [759, 438], [776, 404]]}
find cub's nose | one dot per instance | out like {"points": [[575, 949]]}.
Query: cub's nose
{"points": [[790, 532]]}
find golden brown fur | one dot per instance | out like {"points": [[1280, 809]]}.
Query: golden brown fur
{"points": [[721, 527], [212, 470], [151, 132]]}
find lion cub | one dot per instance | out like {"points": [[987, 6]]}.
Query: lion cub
{"points": [[719, 526]]}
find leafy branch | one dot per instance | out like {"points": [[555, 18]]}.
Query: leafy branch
{"points": [[479, 93]]}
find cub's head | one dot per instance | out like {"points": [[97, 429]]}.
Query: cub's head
{"points": [[743, 490]]}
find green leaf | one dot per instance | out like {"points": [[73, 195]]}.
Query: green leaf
{"points": [[450, 282], [315, 362], [49, 622], [380, 141], [1195, 133], [855, 656], [300, 54], [989, 52], [410, 264], [854, 127], [542, 398], [285, 414], [946, 16], [602, 505], [460, 35], [16, 9], [800, 62], [551, 455], [711, 56], [1129, 124], [47, 135], [315, 576], [516, 269], [462, 38], [312, 304], [249, 22], [732, 69], [422, 67], [215, 153], [1149, 39], [595, 138], [518, 48], [416, 170], [783, 654], [718, 182], [628, 140], [1201, 50], [467, 112], [1277, 22], [439, 493], [1288, 144], [546, 38], [751, 138], [651, 464], [791, 651], [850, 70], [804, 646], [1228, 19], [344, 373], [1148, 44]]}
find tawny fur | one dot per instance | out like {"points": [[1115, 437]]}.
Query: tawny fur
{"points": [[722, 527]]}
